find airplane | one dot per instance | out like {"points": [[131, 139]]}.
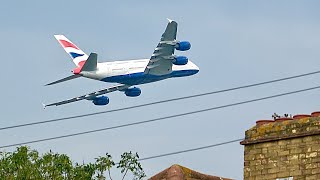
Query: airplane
{"points": [[162, 64]]}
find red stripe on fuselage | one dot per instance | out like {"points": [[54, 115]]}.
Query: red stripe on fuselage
{"points": [[68, 44]]}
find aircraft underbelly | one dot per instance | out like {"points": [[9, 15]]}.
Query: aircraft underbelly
{"points": [[142, 78], [133, 79]]}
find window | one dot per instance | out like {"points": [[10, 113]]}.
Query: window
{"points": [[287, 178]]}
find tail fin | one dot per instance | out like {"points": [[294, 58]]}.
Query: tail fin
{"points": [[77, 55]]}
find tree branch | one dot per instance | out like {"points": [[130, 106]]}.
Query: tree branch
{"points": [[125, 173], [109, 174]]}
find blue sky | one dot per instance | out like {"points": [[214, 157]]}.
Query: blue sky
{"points": [[233, 42]]}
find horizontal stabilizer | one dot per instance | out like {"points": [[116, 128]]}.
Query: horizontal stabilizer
{"points": [[91, 63], [64, 79]]}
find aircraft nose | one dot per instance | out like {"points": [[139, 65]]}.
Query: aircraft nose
{"points": [[196, 68]]}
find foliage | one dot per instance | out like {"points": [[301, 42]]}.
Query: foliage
{"points": [[129, 162], [24, 163]]}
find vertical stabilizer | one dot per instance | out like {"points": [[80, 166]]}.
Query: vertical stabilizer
{"points": [[77, 55]]}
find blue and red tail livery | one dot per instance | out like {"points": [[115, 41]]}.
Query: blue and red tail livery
{"points": [[77, 55]]}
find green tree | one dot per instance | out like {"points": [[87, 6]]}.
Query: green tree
{"points": [[129, 162], [104, 163], [26, 164]]}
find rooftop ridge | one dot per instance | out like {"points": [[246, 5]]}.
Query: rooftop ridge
{"points": [[178, 172]]}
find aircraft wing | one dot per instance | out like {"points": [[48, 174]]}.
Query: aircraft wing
{"points": [[90, 96], [160, 62]]}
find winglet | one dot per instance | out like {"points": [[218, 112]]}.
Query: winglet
{"points": [[44, 106], [170, 20]]}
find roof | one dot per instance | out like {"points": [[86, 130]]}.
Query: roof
{"points": [[177, 172]]}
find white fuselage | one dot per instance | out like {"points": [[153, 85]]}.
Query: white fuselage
{"points": [[131, 72]]}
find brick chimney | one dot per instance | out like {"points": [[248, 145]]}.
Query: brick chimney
{"points": [[283, 149]]}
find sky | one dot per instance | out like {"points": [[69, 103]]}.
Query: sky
{"points": [[234, 43]]}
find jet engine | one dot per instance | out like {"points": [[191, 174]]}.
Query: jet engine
{"points": [[183, 46], [132, 92], [101, 101], [180, 60]]}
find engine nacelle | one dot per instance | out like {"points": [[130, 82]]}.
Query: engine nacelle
{"points": [[101, 101], [180, 60], [183, 46], [132, 92]]}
